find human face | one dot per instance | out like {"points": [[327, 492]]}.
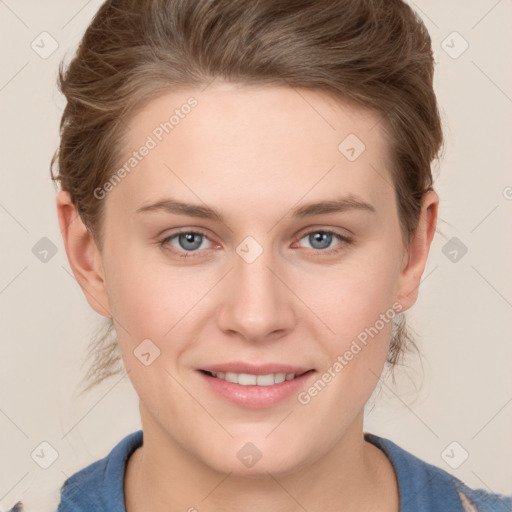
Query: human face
{"points": [[256, 292]]}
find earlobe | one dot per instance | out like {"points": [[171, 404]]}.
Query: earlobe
{"points": [[417, 251], [83, 255]]}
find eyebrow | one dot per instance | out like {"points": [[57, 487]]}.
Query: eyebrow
{"points": [[205, 212]]}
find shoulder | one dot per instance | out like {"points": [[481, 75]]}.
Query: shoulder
{"points": [[99, 486], [424, 487]]}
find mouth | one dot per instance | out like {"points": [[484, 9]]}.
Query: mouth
{"points": [[255, 387], [248, 379]]}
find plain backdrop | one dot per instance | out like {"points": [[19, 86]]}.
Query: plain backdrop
{"points": [[454, 410]]}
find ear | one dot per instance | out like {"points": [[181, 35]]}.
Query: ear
{"points": [[83, 255], [416, 254]]}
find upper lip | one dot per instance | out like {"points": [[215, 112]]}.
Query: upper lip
{"points": [[253, 369]]}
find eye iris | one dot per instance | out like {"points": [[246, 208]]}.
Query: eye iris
{"points": [[322, 237], [190, 238]]}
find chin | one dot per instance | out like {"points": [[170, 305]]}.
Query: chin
{"points": [[257, 458]]}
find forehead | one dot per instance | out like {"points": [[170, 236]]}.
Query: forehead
{"points": [[252, 142]]}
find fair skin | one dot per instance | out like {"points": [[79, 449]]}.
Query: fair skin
{"points": [[254, 154]]}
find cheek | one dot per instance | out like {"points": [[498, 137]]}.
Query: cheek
{"points": [[156, 302], [357, 306], [150, 297], [355, 300], [352, 296]]}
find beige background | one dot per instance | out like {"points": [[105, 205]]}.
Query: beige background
{"points": [[463, 315]]}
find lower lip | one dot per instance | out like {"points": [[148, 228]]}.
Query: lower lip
{"points": [[256, 397]]}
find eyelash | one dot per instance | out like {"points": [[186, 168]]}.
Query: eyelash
{"points": [[317, 252]]}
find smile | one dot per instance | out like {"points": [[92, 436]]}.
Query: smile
{"points": [[247, 379], [255, 387]]}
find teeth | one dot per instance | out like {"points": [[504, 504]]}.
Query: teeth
{"points": [[267, 380], [246, 379], [231, 377]]}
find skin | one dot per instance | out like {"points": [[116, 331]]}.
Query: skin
{"points": [[254, 154]]}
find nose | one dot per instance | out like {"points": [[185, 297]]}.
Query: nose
{"points": [[257, 303]]}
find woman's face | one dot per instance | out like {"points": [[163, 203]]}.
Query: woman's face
{"points": [[259, 285]]}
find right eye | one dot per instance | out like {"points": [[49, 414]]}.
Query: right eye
{"points": [[185, 242]]}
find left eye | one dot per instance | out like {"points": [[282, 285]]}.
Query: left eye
{"points": [[321, 240]]}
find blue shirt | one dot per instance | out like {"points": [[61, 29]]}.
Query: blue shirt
{"points": [[422, 486]]}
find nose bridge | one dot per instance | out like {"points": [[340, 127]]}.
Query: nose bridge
{"points": [[258, 303]]}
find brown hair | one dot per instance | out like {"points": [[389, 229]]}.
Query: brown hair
{"points": [[376, 53]]}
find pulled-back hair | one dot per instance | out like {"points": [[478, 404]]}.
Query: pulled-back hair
{"points": [[373, 53]]}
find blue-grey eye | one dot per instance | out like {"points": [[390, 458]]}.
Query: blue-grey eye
{"points": [[190, 241], [320, 239]]}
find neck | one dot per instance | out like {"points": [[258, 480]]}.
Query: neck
{"points": [[355, 475]]}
